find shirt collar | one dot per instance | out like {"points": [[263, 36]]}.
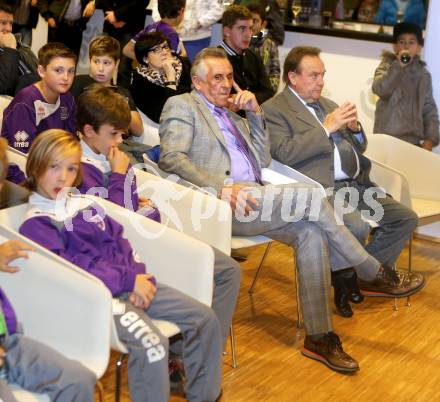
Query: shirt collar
{"points": [[296, 94], [228, 49], [60, 209]]}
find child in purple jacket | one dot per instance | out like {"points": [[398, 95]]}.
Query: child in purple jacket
{"points": [[103, 120], [31, 364], [75, 228], [46, 104], [103, 117]]}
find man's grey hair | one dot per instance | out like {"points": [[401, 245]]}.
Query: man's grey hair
{"points": [[199, 67]]}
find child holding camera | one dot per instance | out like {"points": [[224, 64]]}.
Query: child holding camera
{"points": [[406, 107], [263, 44]]}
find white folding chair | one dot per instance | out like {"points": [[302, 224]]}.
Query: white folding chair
{"points": [[152, 241], [150, 136], [5, 100], [408, 173], [58, 305]]}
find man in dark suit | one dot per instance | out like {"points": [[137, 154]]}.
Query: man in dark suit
{"points": [[205, 143], [325, 141]]}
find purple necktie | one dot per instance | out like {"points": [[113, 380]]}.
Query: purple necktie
{"points": [[242, 144]]}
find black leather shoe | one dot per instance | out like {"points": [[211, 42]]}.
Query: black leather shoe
{"points": [[391, 283], [341, 295], [327, 349], [351, 283]]}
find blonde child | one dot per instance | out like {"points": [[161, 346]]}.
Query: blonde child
{"points": [[97, 245]]}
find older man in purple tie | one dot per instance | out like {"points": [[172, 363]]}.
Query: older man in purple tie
{"points": [[210, 146]]}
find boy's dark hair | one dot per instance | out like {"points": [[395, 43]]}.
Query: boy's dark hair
{"points": [[407, 28], [170, 8], [257, 8], [146, 42], [105, 45], [52, 50], [99, 105], [6, 8], [234, 13], [294, 57]]}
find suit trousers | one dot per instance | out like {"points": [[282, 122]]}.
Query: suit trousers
{"points": [[396, 224], [300, 216]]}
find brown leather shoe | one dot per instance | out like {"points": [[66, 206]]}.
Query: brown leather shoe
{"points": [[391, 283], [327, 349]]}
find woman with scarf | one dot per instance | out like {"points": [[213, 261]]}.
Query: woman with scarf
{"points": [[159, 75]]}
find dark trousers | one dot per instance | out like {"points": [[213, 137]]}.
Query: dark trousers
{"points": [[69, 33]]}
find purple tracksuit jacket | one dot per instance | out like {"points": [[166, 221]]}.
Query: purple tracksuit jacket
{"points": [[28, 114], [97, 245]]}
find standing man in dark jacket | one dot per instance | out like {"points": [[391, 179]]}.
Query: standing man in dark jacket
{"points": [[66, 21]]}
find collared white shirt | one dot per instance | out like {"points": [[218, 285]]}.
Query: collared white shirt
{"points": [[339, 173]]}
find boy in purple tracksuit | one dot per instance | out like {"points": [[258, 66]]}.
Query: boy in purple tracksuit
{"points": [[75, 228], [102, 117], [46, 104], [32, 365]]}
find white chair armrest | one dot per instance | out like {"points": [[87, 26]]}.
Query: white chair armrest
{"points": [[195, 213], [17, 157], [176, 259]]}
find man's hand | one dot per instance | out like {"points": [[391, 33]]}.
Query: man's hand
{"points": [[143, 292], [118, 24], [89, 9], [110, 17], [427, 144], [52, 23], [345, 114], [119, 160], [10, 251], [238, 196], [244, 100], [8, 40]]}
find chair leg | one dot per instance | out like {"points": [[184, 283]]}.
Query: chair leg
{"points": [[395, 305], [118, 377], [408, 303], [257, 274], [298, 303], [100, 388], [232, 337]]}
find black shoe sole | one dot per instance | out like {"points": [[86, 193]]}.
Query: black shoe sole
{"points": [[345, 315], [321, 359], [372, 293]]}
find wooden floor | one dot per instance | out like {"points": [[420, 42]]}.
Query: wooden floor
{"points": [[398, 351]]}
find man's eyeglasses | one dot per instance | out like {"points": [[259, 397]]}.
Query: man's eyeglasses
{"points": [[157, 49]]}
